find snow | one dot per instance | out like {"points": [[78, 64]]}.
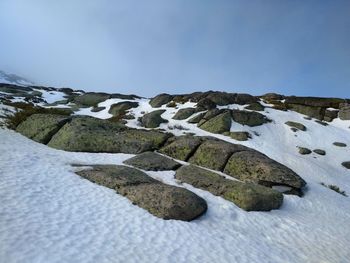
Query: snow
{"points": [[49, 214]]}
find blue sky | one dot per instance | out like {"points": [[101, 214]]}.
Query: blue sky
{"points": [[296, 47]]}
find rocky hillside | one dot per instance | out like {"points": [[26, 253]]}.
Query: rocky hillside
{"points": [[255, 152]]}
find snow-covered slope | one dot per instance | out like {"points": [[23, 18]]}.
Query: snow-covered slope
{"points": [[49, 214]]}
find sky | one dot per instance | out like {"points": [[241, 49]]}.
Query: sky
{"points": [[292, 47]]}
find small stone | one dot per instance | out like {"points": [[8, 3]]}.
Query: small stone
{"points": [[339, 144], [319, 151], [296, 125], [304, 151]]}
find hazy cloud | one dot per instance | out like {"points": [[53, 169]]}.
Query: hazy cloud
{"points": [[148, 47]]}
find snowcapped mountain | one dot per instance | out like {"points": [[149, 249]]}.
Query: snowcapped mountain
{"points": [[202, 177], [14, 79]]}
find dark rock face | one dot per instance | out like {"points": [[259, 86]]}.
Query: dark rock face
{"points": [[272, 96], [160, 100], [296, 125], [119, 109], [314, 112], [242, 98], [303, 150], [151, 161], [161, 200], [182, 147], [344, 112], [249, 118], [197, 118], [339, 144], [91, 99], [87, 134], [214, 154], [256, 106], [97, 109], [221, 98], [41, 127], [330, 115], [249, 197], [219, 124], [319, 152], [183, 114], [153, 119], [315, 101], [205, 104], [253, 166], [346, 164]]}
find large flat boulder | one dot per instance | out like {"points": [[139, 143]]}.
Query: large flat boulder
{"points": [[219, 124], [253, 166], [160, 100], [250, 118], [311, 111], [214, 153], [151, 161], [181, 147], [91, 99], [41, 127], [88, 134], [250, 197], [184, 113], [119, 109], [161, 200]]}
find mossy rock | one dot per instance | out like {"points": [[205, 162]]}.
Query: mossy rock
{"points": [[119, 109], [330, 115], [250, 197], [239, 135], [205, 104], [91, 99], [339, 144], [41, 127], [346, 164], [311, 111], [181, 147], [184, 113], [304, 151], [296, 125], [197, 118], [255, 106], [344, 112], [97, 109], [320, 151], [219, 124], [160, 100], [151, 161], [250, 118], [153, 119], [214, 153], [161, 200], [88, 134], [253, 166]]}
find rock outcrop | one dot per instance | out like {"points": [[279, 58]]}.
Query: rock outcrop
{"points": [[151, 161], [153, 119]]}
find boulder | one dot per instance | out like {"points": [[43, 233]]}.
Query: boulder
{"points": [[339, 144], [239, 136], [160, 100], [161, 200], [197, 118], [91, 99], [119, 109], [256, 106], [323, 123], [151, 161], [88, 134], [181, 147], [272, 96], [253, 166], [124, 97], [221, 98], [41, 127], [315, 101], [219, 124], [205, 104], [319, 152], [311, 111], [153, 119], [296, 125], [97, 109], [213, 154], [346, 164], [303, 150], [250, 197], [250, 118], [184, 113], [344, 112], [243, 98], [330, 115]]}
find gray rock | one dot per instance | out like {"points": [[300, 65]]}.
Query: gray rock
{"points": [[182, 147], [330, 115], [321, 123], [253, 166], [97, 109], [249, 118], [219, 124], [88, 134], [160, 100], [319, 152], [297, 125], [303, 150], [339, 144], [311, 111], [151, 161], [256, 106], [250, 197], [205, 104], [41, 127], [161, 200], [346, 164], [214, 153], [239, 136], [184, 113], [153, 119], [119, 109], [91, 99], [197, 118], [344, 112]]}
